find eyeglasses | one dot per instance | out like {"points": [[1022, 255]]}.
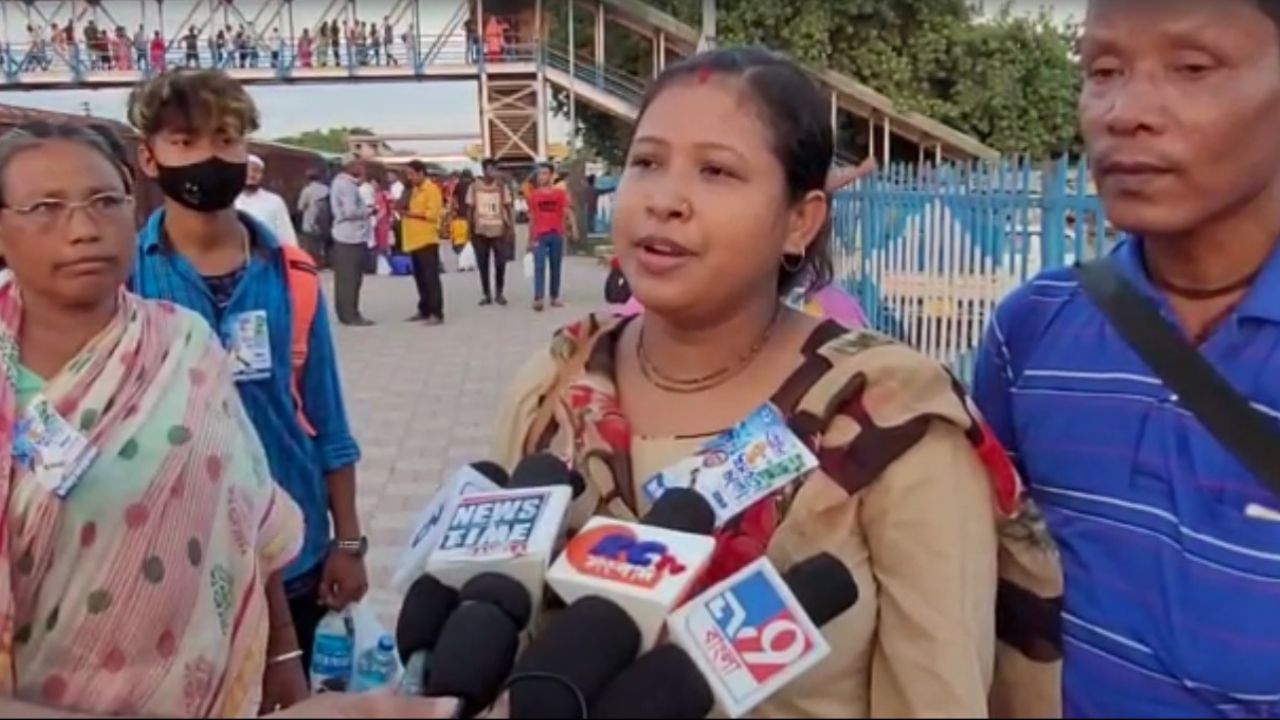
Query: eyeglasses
{"points": [[53, 211]]}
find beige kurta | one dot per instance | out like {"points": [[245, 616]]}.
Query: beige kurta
{"points": [[909, 509]]}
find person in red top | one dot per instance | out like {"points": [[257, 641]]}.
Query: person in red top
{"points": [[548, 210]]}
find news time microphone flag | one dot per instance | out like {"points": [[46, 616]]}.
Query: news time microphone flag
{"points": [[646, 570], [478, 643], [426, 607], [477, 477], [750, 635], [512, 531]]}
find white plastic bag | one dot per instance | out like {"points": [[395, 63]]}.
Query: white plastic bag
{"points": [[467, 259], [384, 265], [528, 266]]}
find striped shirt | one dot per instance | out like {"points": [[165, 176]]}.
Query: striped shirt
{"points": [[1172, 604], [298, 462]]}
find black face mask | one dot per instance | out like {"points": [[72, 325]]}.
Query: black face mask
{"points": [[207, 186]]}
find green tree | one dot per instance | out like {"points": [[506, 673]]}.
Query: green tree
{"points": [[333, 140], [1010, 81]]}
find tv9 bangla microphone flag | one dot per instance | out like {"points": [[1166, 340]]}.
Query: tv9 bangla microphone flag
{"points": [[646, 569], [477, 477], [667, 683], [752, 633], [513, 531], [478, 643], [426, 608]]}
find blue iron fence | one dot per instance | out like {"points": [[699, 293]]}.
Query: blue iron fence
{"points": [[931, 250]]}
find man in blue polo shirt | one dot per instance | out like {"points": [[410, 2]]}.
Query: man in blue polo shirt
{"points": [[1171, 548], [197, 251]]}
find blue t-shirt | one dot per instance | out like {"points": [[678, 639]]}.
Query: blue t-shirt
{"points": [[1172, 603]]}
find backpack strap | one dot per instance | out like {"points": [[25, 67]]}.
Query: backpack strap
{"points": [[303, 281]]}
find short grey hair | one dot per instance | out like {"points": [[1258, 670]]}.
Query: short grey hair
{"points": [[30, 136]]}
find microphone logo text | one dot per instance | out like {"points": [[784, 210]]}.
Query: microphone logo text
{"points": [[615, 553], [752, 634], [492, 524]]}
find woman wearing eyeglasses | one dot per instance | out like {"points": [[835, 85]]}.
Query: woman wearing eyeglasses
{"points": [[141, 533]]}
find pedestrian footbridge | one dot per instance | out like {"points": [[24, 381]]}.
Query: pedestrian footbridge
{"points": [[515, 51]]}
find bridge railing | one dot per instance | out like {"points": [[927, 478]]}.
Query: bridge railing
{"points": [[615, 82], [410, 54]]}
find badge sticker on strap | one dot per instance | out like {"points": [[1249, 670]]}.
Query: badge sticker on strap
{"points": [[741, 466], [249, 344]]}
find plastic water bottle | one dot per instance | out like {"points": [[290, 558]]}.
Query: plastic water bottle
{"points": [[332, 654], [376, 668]]}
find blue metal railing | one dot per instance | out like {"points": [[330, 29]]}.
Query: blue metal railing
{"points": [[617, 83], [930, 251], [415, 55]]}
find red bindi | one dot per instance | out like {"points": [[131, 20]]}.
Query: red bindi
{"points": [[704, 74]]}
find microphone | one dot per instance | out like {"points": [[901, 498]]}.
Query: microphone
{"points": [[511, 531], [426, 608], [646, 569], [492, 470], [663, 683], [477, 477], [478, 643], [751, 634], [544, 469], [580, 650]]}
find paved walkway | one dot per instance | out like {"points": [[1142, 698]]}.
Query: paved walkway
{"points": [[422, 399]]}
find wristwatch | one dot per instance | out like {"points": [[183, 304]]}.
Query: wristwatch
{"points": [[355, 548]]}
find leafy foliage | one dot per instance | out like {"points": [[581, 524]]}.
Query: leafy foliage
{"points": [[333, 140], [1010, 81]]}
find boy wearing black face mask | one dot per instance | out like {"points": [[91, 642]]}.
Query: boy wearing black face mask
{"points": [[197, 251]]}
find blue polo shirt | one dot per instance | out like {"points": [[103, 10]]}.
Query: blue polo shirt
{"points": [[1172, 605], [298, 462]]}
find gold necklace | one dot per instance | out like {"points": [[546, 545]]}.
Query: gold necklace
{"points": [[689, 386]]}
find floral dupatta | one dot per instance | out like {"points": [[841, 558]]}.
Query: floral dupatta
{"points": [[142, 590]]}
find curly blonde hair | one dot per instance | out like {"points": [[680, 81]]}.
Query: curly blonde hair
{"points": [[199, 102]]}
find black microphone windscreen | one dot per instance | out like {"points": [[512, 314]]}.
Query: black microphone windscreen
{"points": [[493, 471], [664, 683], [507, 594], [474, 655], [577, 483], [823, 585], [585, 645], [423, 613], [684, 510], [540, 470]]}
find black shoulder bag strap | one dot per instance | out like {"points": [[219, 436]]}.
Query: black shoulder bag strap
{"points": [[1244, 431]]}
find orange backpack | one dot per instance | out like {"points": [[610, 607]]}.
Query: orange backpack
{"points": [[302, 278]]}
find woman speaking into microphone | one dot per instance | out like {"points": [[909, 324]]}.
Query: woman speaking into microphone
{"points": [[714, 222]]}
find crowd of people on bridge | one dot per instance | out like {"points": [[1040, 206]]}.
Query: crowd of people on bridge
{"points": [[1091, 533], [333, 42]]}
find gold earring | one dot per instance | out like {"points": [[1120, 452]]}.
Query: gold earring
{"points": [[798, 264]]}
